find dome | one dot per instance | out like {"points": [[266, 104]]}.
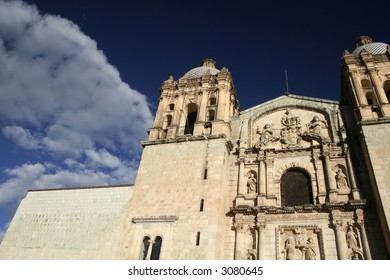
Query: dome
{"points": [[200, 71], [372, 48], [208, 67]]}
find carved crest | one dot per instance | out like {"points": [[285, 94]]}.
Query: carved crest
{"points": [[290, 134]]}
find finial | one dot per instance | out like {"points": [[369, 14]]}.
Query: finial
{"points": [[363, 40], [209, 63]]}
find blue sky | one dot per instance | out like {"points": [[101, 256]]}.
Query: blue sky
{"points": [[79, 80]]}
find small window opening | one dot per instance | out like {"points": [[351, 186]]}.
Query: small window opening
{"points": [[213, 101], [156, 249], [171, 107], [201, 205], [211, 116], [198, 238], [205, 174], [145, 247]]}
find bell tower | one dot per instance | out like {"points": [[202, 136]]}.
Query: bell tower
{"points": [[199, 103], [365, 97], [182, 182]]}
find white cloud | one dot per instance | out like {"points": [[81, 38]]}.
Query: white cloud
{"points": [[102, 158], [22, 137], [55, 80], [61, 98]]}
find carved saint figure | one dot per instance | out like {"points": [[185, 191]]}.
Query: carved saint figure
{"points": [[351, 236], [289, 120], [251, 183], [315, 126], [310, 254], [266, 135], [292, 253], [341, 179]]}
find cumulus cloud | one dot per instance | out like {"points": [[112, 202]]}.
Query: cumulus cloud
{"points": [[54, 79], [22, 137], [60, 98]]}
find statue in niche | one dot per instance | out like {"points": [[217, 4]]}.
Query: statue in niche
{"points": [[290, 134], [315, 127], [251, 184], [266, 135], [341, 179], [352, 237]]}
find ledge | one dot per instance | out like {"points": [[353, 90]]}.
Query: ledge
{"points": [[158, 219]]}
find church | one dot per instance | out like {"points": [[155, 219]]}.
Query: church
{"points": [[294, 178]]}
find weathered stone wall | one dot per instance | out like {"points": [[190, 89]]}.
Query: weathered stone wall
{"points": [[66, 224], [377, 144], [170, 185]]}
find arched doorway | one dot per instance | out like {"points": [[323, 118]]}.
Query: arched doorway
{"points": [[296, 188]]}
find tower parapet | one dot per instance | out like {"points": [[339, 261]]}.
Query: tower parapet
{"points": [[201, 102]]}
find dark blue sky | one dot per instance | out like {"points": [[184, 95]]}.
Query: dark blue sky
{"points": [[257, 40]]}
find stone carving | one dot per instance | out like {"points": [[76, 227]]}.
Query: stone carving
{"points": [[266, 136], [315, 128], [341, 179], [299, 244], [310, 251], [353, 243], [251, 184], [352, 237], [290, 134]]}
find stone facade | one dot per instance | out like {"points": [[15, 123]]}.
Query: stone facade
{"points": [[294, 178]]}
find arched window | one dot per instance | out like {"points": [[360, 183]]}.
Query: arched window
{"points": [[296, 188], [144, 248], [192, 115], [167, 121], [371, 98], [156, 249]]}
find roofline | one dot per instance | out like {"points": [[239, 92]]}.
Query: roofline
{"points": [[82, 188], [329, 101]]}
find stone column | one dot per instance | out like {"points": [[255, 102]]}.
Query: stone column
{"points": [[341, 245], [241, 177], [262, 177], [269, 177], [363, 234], [319, 169], [351, 176], [378, 87], [341, 249], [333, 195], [261, 224], [202, 110], [150, 248], [358, 89], [238, 225]]}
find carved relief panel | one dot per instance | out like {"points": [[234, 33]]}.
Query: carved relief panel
{"points": [[289, 129], [299, 243]]}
